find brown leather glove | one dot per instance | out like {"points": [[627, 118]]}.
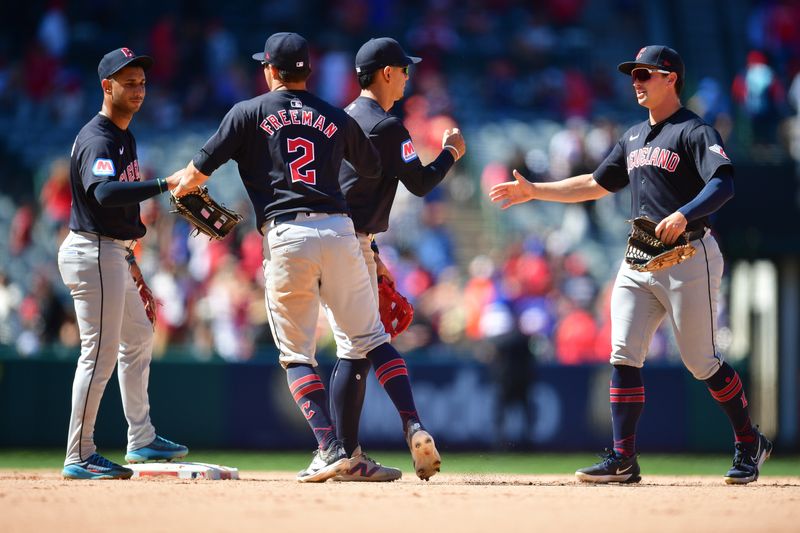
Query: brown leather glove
{"points": [[647, 253]]}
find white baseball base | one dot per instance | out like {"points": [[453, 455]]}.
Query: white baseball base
{"points": [[183, 471]]}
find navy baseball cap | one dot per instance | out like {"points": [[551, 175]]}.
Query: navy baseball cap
{"points": [[287, 51], [382, 52], [658, 56], [116, 60]]}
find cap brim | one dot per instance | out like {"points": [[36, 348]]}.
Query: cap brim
{"points": [[140, 61], [414, 60], [628, 66], [259, 57]]}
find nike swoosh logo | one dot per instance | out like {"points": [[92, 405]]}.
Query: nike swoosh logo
{"points": [[622, 471], [755, 457], [633, 138], [121, 150]]}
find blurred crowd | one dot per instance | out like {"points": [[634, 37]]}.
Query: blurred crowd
{"points": [[523, 81]]}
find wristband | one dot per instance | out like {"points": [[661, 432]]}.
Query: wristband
{"points": [[458, 154]]}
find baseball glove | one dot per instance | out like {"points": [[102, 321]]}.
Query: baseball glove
{"points": [[396, 312], [205, 214], [647, 253], [145, 293]]}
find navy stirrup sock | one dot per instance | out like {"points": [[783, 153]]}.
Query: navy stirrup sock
{"points": [[726, 387], [392, 374], [347, 390], [308, 392], [626, 393]]}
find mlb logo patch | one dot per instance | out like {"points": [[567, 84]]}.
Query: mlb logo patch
{"points": [[717, 149], [408, 152], [103, 167]]}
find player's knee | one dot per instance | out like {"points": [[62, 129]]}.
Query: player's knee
{"points": [[626, 359], [703, 369]]}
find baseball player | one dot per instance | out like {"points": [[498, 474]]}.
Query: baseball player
{"points": [[382, 67], [679, 175], [96, 263], [289, 146]]}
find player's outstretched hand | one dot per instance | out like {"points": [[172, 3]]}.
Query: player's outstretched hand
{"points": [[453, 141], [672, 227], [174, 180], [512, 192]]}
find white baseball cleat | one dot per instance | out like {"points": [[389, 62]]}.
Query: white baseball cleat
{"points": [[325, 464]]}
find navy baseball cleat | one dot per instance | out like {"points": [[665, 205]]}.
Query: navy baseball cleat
{"points": [[363, 468], [160, 449], [747, 460], [96, 467], [325, 464], [614, 468], [425, 457]]}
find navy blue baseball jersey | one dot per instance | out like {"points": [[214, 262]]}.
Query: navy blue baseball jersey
{"points": [[103, 152], [666, 164], [289, 146], [371, 201]]}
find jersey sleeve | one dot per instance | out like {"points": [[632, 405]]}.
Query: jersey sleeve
{"points": [[99, 163], [708, 152], [400, 159], [224, 144], [360, 152], [612, 174]]}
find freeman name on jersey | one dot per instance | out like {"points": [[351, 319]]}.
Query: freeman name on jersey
{"points": [[654, 156], [273, 123]]}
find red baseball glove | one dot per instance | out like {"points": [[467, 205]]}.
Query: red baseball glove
{"points": [[148, 299], [396, 312], [145, 293]]}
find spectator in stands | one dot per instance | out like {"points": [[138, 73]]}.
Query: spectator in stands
{"points": [[712, 105], [761, 95], [56, 196], [10, 299], [435, 248]]}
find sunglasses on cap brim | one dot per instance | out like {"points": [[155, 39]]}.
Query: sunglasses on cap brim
{"points": [[644, 74]]}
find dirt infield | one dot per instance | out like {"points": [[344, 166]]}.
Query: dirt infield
{"points": [[40, 501]]}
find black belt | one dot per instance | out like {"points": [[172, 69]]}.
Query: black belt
{"points": [[290, 217], [694, 235], [285, 217]]}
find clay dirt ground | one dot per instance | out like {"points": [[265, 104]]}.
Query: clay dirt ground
{"points": [[40, 501]]}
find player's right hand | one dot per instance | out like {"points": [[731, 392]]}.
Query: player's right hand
{"points": [[512, 192], [454, 139], [174, 180]]}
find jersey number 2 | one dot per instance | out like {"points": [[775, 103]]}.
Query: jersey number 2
{"points": [[297, 144]]}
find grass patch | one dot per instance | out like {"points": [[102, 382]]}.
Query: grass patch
{"points": [[479, 463]]}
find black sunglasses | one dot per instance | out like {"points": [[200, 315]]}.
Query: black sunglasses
{"points": [[404, 68], [644, 74]]}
